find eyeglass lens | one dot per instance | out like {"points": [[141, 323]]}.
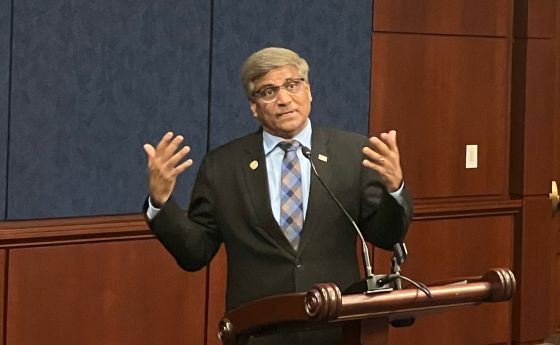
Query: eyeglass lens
{"points": [[270, 93]]}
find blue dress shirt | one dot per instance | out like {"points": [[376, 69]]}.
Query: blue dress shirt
{"points": [[274, 156]]}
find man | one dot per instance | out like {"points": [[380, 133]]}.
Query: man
{"points": [[282, 231]]}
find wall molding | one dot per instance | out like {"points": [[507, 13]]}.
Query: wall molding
{"points": [[39, 232], [467, 208], [31, 233]]}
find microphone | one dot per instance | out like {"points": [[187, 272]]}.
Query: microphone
{"points": [[371, 279], [399, 255]]}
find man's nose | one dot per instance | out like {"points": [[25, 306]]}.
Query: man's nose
{"points": [[283, 96]]}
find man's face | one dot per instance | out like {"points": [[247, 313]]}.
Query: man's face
{"points": [[287, 115]]}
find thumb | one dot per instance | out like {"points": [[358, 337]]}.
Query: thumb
{"points": [[150, 151]]}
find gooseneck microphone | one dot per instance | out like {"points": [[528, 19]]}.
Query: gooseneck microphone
{"points": [[371, 279], [399, 255]]}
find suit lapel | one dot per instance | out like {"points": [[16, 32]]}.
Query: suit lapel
{"points": [[320, 154], [253, 168]]}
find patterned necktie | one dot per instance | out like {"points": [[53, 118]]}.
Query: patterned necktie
{"points": [[291, 202]]}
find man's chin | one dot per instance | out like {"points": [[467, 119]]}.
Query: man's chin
{"points": [[289, 131]]}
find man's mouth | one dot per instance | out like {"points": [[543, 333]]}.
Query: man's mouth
{"points": [[285, 113]]}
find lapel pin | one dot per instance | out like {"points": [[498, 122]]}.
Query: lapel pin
{"points": [[323, 158], [253, 165]]}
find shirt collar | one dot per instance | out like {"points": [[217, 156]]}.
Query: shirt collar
{"points": [[271, 141]]}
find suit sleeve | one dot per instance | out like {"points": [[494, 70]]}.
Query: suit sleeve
{"points": [[382, 219], [192, 237]]}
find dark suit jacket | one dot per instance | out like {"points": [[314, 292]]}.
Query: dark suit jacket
{"points": [[230, 205]]}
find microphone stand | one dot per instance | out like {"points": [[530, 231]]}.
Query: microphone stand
{"points": [[399, 255], [373, 282]]}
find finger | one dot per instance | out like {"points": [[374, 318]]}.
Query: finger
{"points": [[379, 146], [164, 141], [182, 167], [396, 146], [177, 157], [372, 155], [390, 139], [150, 151], [371, 165], [172, 147]]}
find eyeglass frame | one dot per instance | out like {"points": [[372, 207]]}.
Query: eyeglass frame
{"points": [[276, 89]]}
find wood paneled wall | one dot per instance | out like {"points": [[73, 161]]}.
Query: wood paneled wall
{"points": [[534, 90], [98, 280], [442, 93], [447, 74], [456, 247], [555, 305], [443, 86]]}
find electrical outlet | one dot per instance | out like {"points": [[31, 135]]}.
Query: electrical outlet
{"points": [[471, 157]]}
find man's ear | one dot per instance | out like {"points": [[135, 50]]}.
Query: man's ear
{"points": [[254, 109], [308, 90]]}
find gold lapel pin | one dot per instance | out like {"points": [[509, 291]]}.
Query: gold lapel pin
{"points": [[323, 158], [253, 165]]}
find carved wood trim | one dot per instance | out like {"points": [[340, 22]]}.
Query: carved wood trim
{"points": [[285, 311], [30, 233], [133, 226], [460, 209]]}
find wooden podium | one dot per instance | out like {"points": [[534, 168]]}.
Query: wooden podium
{"points": [[365, 318]]}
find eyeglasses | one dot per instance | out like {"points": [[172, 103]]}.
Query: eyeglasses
{"points": [[269, 94]]}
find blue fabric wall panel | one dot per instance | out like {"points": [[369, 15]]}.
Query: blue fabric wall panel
{"points": [[5, 23], [92, 81], [333, 36]]}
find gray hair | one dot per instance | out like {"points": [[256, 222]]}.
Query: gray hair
{"points": [[264, 60]]}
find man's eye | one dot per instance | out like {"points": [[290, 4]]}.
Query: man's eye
{"points": [[267, 92], [292, 85]]}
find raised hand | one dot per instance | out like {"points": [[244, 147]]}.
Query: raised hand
{"points": [[164, 165], [383, 156]]}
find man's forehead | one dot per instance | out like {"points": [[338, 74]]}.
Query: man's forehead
{"points": [[278, 75]]}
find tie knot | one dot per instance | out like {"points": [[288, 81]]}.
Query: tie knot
{"points": [[289, 145]]}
